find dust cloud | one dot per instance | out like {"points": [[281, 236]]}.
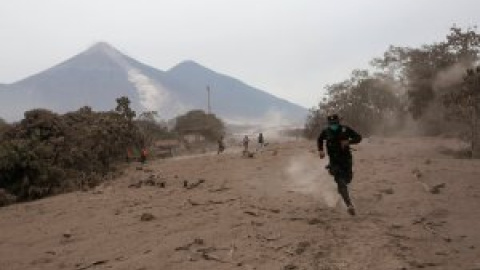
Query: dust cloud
{"points": [[307, 175], [449, 77], [272, 124]]}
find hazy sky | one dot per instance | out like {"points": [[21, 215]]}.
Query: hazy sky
{"points": [[290, 48]]}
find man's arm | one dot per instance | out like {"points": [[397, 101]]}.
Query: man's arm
{"points": [[353, 136], [320, 140]]}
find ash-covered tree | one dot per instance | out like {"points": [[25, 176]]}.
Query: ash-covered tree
{"points": [[363, 101], [430, 72], [152, 128], [316, 121], [47, 153], [464, 107], [123, 108], [427, 81], [3, 126], [200, 123]]}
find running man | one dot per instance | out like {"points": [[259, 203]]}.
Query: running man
{"points": [[339, 138]]}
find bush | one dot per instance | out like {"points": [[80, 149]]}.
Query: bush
{"points": [[47, 153], [199, 123], [151, 129]]}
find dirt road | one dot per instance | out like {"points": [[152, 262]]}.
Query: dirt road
{"points": [[418, 207]]}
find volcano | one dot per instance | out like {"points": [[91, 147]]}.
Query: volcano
{"points": [[99, 75]]}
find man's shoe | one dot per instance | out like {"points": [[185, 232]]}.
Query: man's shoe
{"points": [[351, 210]]}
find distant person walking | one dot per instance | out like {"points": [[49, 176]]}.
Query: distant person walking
{"points": [[129, 154], [261, 141], [143, 155], [246, 140], [221, 145], [338, 140]]}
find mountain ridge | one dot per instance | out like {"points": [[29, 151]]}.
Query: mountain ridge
{"points": [[101, 73]]}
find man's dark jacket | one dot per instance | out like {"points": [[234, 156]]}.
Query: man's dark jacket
{"points": [[334, 138]]}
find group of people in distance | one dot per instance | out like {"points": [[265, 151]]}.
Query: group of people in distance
{"points": [[245, 142]]}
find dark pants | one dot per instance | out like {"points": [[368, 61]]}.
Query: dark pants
{"points": [[341, 170]]}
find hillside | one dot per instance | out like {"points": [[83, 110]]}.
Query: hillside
{"points": [[417, 208]]}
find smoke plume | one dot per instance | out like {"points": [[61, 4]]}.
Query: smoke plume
{"points": [[152, 98]]}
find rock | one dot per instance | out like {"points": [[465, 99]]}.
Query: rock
{"points": [[139, 168], [196, 242], [193, 185], [147, 217], [437, 188], [397, 226], [419, 220], [137, 185], [417, 173], [302, 247], [315, 221], [388, 191], [290, 267], [149, 182], [251, 213], [199, 241]]}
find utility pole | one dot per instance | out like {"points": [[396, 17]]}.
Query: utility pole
{"points": [[473, 78], [209, 108], [476, 112]]}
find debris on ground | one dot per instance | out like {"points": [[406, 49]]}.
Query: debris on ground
{"points": [[188, 185], [152, 181], [147, 217], [437, 188], [417, 173], [388, 191]]}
